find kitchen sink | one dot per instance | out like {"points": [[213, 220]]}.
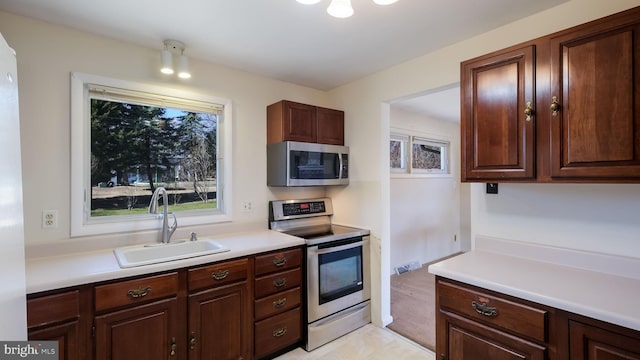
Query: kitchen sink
{"points": [[138, 255]]}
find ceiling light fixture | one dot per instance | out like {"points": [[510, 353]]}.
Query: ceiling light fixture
{"points": [[342, 8], [166, 58]]}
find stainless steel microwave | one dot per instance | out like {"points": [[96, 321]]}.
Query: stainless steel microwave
{"points": [[292, 163]]}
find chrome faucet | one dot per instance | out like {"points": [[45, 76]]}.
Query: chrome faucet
{"points": [[167, 230]]}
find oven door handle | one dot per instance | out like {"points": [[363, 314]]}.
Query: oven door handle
{"points": [[340, 248]]}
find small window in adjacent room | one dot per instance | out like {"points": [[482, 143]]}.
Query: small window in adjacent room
{"points": [[129, 139], [418, 155], [398, 152]]}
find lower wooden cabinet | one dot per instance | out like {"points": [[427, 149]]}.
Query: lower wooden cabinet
{"points": [[62, 317], [478, 324], [220, 323], [590, 342], [148, 331], [199, 313]]}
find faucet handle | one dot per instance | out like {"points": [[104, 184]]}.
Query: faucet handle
{"points": [[194, 237]]}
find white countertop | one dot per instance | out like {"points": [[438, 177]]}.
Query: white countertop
{"points": [[48, 273], [610, 296]]}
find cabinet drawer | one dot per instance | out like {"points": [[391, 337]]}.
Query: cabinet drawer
{"points": [[135, 291], [218, 274], [53, 308], [274, 283], [494, 310], [278, 332], [278, 261], [277, 303]]}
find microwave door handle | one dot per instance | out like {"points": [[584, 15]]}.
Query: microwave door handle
{"points": [[340, 165]]}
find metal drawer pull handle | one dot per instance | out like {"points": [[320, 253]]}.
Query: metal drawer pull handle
{"points": [[280, 332], [483, 309], [219, 275], [279, 303], [138, 293], [280, 261], [280, 282]]}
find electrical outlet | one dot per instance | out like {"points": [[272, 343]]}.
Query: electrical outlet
{"points": [[247, 206], [49, 219], [492, 188]]}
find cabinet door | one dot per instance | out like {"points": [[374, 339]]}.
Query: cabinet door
{"points": [[220, 324], [592, 343], [497, 137], [463, 339], [330, 126], [67, 336], [595, 87], [144, 332], [299, 122]]}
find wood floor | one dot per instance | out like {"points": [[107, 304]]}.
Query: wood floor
{"points": [[413, 306]]}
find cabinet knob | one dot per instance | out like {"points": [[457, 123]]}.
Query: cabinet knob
{"points": [[192, 341], [555, 106], [173, 347], [528, 112], [138, 293]]}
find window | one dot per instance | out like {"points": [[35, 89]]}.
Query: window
{"points": [[129, 139], [426, 156]]}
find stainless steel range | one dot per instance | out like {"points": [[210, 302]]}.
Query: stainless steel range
{"points": [[338, 268]]}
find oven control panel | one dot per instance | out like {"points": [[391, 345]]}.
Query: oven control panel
{"points": [[293, 209], [303, 208]]}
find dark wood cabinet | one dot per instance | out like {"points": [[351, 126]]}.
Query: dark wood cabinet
{"points": [[278, 299], [595, 89], [149, 331], [498, 139], [220, 317], [139, 319], [216, 311], [62, 317], [591, 340], [477, 324], [564, 107], [292, 121]]}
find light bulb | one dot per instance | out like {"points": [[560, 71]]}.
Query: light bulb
{"points": [[183, 67], [340, 8], [166, 61]]}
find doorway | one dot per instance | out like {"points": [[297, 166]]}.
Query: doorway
{"points": [[429, 209]]}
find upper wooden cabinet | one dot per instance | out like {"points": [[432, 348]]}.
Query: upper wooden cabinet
{"points": [[292, 121], [497, 137], [595, 83], [564, 107]]}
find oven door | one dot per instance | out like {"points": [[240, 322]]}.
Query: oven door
{"points": [[337, 276]]}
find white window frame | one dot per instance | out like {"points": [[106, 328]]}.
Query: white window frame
{"points": [[82, 223], [411, 136]]}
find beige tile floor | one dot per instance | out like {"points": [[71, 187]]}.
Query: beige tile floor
{"points": [[369, 342]]}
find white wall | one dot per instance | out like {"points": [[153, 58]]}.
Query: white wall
{"points": [[425, 209], [573, 223], [47, 54]]}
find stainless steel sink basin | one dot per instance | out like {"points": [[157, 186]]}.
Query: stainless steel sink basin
{"points": [[138, 255]]}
